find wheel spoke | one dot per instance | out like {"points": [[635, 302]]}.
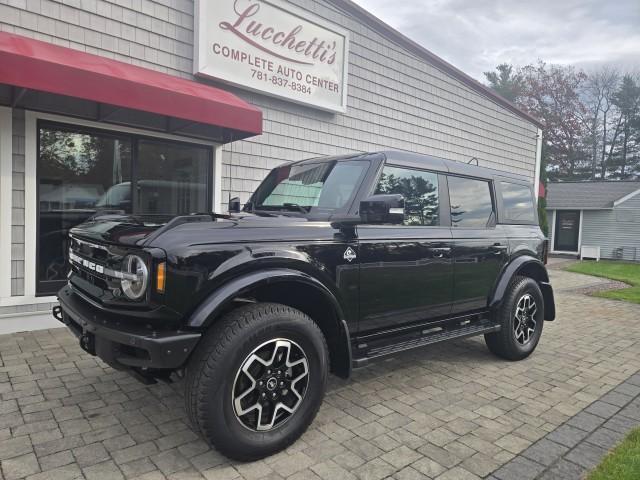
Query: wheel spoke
{"points": [[273, 379], [524, 324]]}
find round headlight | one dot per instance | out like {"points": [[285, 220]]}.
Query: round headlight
{"points": [[134, 289]]}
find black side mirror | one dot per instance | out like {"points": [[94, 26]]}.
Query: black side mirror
{"points": [[234, 205], [382, 209]]}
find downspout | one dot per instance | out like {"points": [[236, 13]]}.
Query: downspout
{"points": [[536, 181]]}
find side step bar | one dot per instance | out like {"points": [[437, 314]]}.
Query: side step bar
{"points": [[363, 353]]}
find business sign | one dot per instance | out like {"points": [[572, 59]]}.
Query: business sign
{"points": [[270, 46]]}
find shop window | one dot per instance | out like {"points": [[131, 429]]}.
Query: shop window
{"points": [[171, 178], [82, 172]]}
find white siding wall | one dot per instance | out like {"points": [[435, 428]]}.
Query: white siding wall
{"points": [[611, 229], [395, 100]]}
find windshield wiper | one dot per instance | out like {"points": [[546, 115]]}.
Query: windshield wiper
{"points": [[292, 207], [295, 206]]}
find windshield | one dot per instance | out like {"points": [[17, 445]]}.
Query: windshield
{"points": [[325, 186]]}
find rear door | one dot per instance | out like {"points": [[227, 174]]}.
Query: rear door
{"points": [[480, 247], [406, 272]]}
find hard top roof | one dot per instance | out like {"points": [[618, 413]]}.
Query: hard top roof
{"points": [[422, 161]]}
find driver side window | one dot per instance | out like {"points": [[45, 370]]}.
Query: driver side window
{"points": [[420, 191]]}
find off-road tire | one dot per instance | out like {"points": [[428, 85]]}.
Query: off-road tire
{"points": [[212, 370], [503, 343]]}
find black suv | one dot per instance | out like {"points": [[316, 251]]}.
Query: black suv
{"points": [[332, 263]]}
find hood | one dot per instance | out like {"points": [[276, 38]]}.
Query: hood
{"points": [[119, 229], [138, 230]]}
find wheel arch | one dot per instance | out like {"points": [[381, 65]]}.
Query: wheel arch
{"points": [[526, 266], [288, 287]]}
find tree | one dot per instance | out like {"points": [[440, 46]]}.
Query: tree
{"points": [[598, 95], [627, 101], [552, 94], [506, 82]]}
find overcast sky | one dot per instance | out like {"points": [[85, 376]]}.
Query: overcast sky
{"points": [[477, 35]]}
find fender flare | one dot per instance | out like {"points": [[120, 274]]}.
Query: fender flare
{"points": [[210, 308], [535, 269]]}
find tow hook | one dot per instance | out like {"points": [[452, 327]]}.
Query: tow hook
{"points": [[57, 313]]}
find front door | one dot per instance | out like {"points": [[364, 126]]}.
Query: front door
{"points": [[480, 247], [567, 231], [406, 271]]}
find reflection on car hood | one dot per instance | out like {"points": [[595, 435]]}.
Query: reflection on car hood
{"points": [[136, 229]]}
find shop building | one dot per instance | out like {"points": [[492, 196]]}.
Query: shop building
{"points": [[169, 106]]}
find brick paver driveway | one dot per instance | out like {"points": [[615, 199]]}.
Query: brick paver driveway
{"points": [[451, 411]]}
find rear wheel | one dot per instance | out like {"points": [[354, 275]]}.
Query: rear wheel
{"points": [[257, 380], [521, 317]]}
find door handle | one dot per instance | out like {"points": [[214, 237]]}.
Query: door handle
{"points": [[440, 252]]}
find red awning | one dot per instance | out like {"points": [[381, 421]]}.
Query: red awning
{"points": [[40, 66]]}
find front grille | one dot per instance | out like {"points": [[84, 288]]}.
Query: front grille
{"points": [[94, 270]]}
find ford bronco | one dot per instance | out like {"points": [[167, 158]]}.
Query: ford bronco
{"points": [[331, 264]]}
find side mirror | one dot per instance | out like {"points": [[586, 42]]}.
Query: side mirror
{"points": [[382, 209], [234, 205]]}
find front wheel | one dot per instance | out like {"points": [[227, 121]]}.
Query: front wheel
{"points": [[256, 381], [521, 317]]}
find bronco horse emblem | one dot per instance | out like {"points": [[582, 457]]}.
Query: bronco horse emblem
{"points": [[349, 255]]}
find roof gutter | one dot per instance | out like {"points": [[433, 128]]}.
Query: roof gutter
{"points": [[417, 49]]}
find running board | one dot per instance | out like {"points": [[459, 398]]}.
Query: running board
{"points": [[364, 352]]}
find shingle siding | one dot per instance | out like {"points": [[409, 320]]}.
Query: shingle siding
{"points": [[611, 229], [396, 100], [17, 212]]}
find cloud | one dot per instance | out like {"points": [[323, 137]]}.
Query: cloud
{"points": [[477, 35]]}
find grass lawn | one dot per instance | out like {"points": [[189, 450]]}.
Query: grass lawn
{"points": [[623, 463], [623, 271]]}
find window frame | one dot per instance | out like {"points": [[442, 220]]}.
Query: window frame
{"points": [[502, 212], [45, 288], [444, 214], [492, 221]]}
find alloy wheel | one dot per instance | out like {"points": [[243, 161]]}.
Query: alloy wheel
{"points": [[524, 324], [270, 384]]}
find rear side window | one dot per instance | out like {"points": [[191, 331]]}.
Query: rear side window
{"points": [[420, 192], [518, 202], [471, 202]]}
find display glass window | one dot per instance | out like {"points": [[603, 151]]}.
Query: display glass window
{"points": [[82, 172]]}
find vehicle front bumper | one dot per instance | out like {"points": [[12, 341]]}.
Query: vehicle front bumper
{"points": [[122, 343]]}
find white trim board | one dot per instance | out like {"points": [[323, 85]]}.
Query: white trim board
{"points": [[626, 197], [536, 180], [30, 184], [28, 322], [24, 300], [6, 199]]}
